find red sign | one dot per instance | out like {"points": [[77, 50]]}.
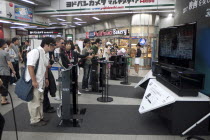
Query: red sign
{"points": [[87, 34], [103, 33]]}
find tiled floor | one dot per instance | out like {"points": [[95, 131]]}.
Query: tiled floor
{"points": [[85, 99]]}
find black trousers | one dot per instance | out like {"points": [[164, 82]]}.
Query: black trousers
{"points": [[5, 79], [16, 67], [2, 121], [46, 101]]}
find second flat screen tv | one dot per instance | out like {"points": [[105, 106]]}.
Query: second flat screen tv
{"points": [[177, 46]]}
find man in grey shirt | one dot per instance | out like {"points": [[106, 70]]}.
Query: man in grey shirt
{"points": [[18, 57]]}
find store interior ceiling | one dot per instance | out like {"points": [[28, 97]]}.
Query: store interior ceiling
{"points": [[77, 20]]}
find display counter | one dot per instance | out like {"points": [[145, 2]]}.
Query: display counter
{"points": [[179, 113]]}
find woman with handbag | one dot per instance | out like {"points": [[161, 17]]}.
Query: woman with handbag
{"points": [[5, 66]]}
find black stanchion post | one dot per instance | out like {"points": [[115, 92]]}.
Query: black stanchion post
{"points": [[105, 95], [125, 82]]}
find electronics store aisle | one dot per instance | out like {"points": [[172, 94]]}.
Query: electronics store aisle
{"points": [[85, 98]]}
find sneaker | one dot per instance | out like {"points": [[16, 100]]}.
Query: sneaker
{"points": [[14, 84], [40, 123], [57, 98], [79, 93]]}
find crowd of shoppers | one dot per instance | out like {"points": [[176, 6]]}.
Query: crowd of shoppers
{"points": [[45, 55]]}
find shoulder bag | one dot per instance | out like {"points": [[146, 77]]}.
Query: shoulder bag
{"points": [[24, 89]]}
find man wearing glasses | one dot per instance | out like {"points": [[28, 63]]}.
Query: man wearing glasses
{"points": [[59, 45], [39, 80]]}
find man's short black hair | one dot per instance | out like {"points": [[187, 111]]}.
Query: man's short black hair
{"points": [[138, 44], [8, 42], [47, 41], [86, 40], [98, 40], [2, 42], [14, 39]]}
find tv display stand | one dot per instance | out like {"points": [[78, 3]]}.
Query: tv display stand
{"points": [[183, 82]]}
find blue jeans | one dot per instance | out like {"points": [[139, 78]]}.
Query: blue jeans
{"points": [[87, 70]]}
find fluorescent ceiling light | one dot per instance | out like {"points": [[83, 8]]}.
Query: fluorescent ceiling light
{"points": [[61, 19], [22, 24], [31, 27], [3, 21], [79, 22], [95, 18], [78, 19], [64, 22], [16, 27], [138, 12], [52, 23], [40, 28], [28, 1], [71, 26]]}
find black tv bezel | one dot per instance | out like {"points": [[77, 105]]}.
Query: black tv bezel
{"points": [[194, 47]]}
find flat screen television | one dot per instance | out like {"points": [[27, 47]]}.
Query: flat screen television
{"points": [[177, 45]]}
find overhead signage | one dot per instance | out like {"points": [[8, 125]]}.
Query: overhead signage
{"points": [[194, 4], [2, 9], [69, 36], [208, 13], [120, 32], [45, 32], [103, 33], [106, 33], [87, 3], [91, 34], [142, 41], [21, 33], [23, 13]]}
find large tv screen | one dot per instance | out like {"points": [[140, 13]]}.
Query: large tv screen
{"points": [[177, 45]]}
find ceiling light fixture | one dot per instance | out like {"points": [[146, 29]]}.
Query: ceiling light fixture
{"points": [[71, 26], [80, 22], [28, 1], [22, 24], [40, 28], [52, 23], [16, 27], [3, 21], [95, 18], [61, 19], [31, 27], [64, 22], [78, 19]]}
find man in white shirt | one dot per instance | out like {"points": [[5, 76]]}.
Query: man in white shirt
{"points": [[39, 80]]}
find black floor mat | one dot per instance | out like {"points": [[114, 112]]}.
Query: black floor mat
{"points": [[132, 79], [120, 91], [99, 119]]}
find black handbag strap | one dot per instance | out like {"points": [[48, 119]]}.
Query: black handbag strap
{"points": [[37, 64], [36, 67]]}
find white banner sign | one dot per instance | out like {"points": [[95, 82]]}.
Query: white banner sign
{"points": [[155, 97]]}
